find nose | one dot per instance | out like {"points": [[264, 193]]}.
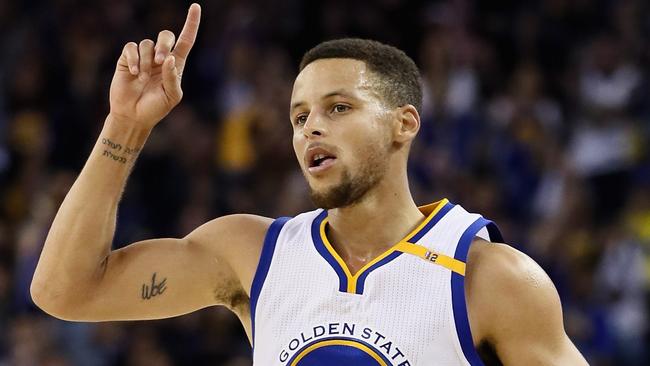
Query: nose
{"points": [[314, 126]]}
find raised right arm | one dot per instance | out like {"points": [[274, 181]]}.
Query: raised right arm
{"points": [[78, 277]]}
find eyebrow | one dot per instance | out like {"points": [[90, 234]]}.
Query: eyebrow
{"points": [[335, 93]]}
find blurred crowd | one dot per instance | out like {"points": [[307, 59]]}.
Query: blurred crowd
{"points": [[536, 115]]}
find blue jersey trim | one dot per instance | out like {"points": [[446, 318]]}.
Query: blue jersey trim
{"points": [[391, 254], [434, 220], [361, 282], [494, 232], [264, 264], [438, 216], [459, 304], [322, 250]]}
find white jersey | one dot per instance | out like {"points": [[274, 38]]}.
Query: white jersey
{"points": [[405, 307]]}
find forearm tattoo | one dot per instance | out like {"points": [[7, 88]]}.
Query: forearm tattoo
{"points": [[154, 288], [118, 153]]}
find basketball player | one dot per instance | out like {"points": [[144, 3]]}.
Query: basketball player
{"points": [[367, 279]]}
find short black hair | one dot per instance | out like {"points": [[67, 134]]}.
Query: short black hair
{"points": [[398, 76]]}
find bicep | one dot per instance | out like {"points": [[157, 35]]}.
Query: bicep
{"points": [[535, 335], [161, 278], [541, 352], [519, 310], [153, 279]]}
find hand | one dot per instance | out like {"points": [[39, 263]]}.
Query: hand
{"points": [[147, 81]]}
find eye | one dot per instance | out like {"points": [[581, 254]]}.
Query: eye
{"points": [[300, 119], [340, 108]]}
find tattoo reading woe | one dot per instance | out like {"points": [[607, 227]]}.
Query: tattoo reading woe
{"points": [[154, 289]]}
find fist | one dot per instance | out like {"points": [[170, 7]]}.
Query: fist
{"points": [[146, 85]]}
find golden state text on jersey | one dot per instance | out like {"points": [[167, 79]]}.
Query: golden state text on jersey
{"points": [[342, 343]]}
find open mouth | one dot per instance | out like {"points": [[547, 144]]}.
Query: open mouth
{"points": [[321, 159], [318, 159]]}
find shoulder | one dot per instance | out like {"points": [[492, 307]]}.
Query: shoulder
{"points": [[508, 293], [239, 229], [234, 241]]}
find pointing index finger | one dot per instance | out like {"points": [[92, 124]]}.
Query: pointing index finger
{"points": [[188, 35]]}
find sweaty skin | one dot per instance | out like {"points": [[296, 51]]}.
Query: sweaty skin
{"points": [[512, 304]]}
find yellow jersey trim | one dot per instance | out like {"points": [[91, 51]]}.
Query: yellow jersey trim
{"points": [[339, 342], [443, 260], [352, 278]]}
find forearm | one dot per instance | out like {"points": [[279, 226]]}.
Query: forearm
{"points": [[83, 229]]}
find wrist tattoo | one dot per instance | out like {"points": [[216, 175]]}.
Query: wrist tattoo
{"points": [[119, 159], [114, 148], [130, 151], [154, 289], [111, 144]]}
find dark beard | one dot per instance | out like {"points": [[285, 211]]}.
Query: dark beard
{"points": [[351, 190]]}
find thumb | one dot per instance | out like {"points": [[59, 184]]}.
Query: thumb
{"points": [[171, 80]]}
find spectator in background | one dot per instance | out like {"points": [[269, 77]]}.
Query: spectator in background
{"points": [[603, 140]]}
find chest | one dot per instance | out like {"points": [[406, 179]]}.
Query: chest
{"points": [[404, 307], [400, 310]]}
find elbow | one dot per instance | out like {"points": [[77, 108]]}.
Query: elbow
{"points": [[52, 304], [37, 292], [42, 299]]}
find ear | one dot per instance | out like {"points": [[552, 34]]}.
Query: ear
{"points": [[408, 124]]}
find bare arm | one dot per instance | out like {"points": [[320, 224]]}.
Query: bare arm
{"points": [[78, 277], [514, 306]]}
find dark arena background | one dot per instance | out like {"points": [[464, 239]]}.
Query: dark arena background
{"points": [[537, 115]]}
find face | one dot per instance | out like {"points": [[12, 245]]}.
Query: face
{"points": [[341, 131]]}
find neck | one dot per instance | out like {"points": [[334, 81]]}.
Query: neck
{"points": [[366, 229]]}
